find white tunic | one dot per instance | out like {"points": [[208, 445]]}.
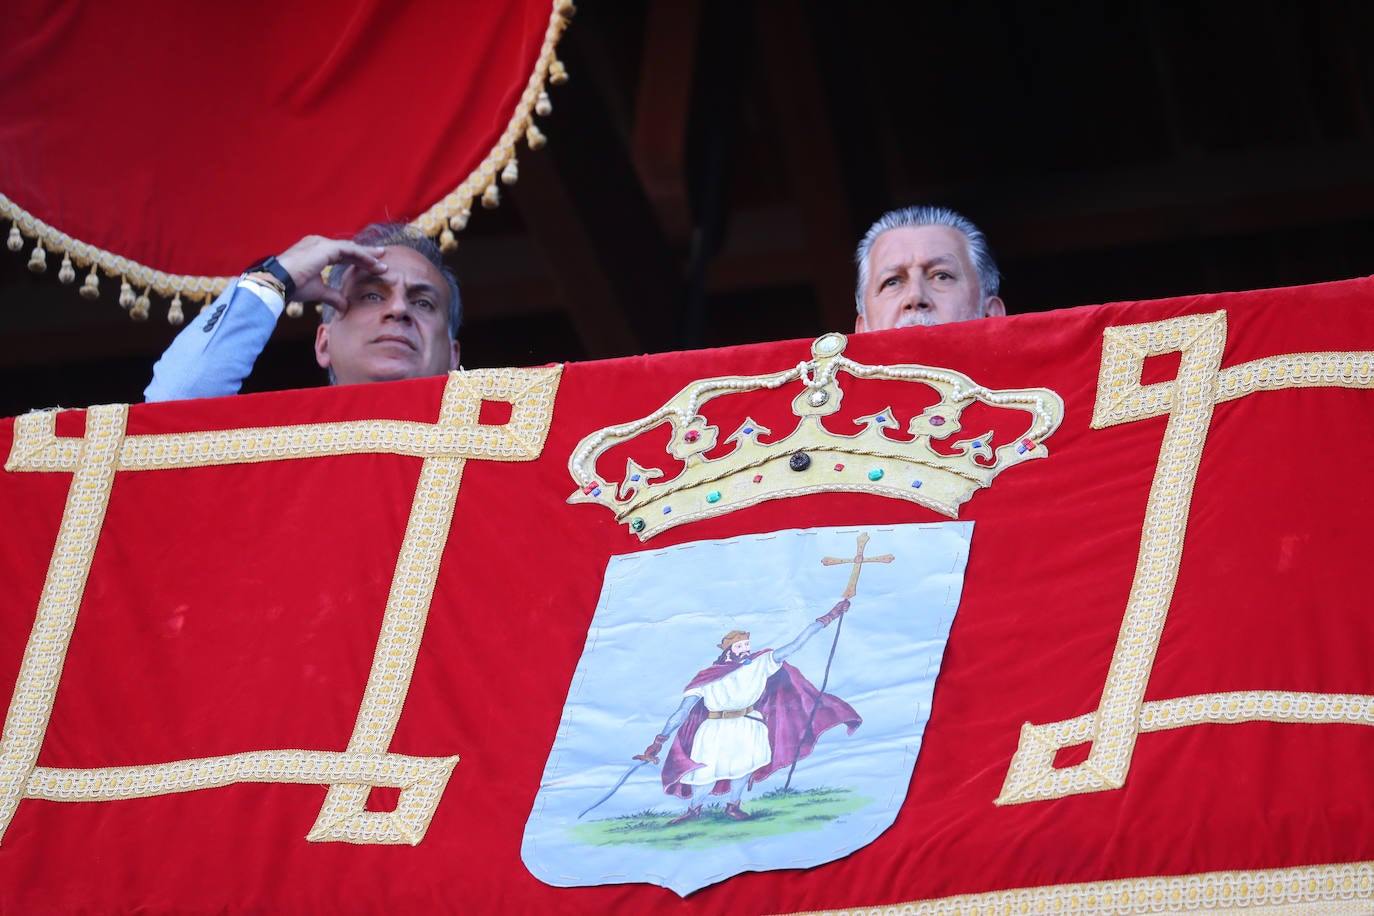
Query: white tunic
{"points": [[732, 748]]}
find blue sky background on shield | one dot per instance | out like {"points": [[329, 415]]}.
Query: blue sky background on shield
{"points": [[659, 618]]}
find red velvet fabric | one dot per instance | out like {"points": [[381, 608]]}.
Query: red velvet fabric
{"points": [[193, 138], [237, 608]]}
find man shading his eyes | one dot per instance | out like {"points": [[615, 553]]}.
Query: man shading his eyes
{"points": [[391, 311]]}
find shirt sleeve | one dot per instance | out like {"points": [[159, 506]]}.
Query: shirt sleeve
{"points": [[212, 356]]}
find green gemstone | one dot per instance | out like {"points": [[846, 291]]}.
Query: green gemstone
{"points": [[636, 524], [713, 496], [875, 474]]}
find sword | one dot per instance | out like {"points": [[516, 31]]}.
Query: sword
{"points": [[614, 789]]}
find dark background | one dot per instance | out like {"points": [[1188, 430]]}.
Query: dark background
{"points": [[711, 165]]}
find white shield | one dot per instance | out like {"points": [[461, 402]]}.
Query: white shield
{"points": [[658, 624]]}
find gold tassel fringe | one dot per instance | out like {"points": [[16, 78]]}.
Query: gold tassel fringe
{"points": [[443, 220]]}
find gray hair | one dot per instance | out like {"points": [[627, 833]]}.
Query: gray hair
{"points": [[989, 279], [399, 235]]}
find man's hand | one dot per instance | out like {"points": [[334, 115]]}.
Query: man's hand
{"points": [[650, 754], [835, 611], [307, 259]]}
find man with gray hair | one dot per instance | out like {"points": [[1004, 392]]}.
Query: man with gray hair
{"points": [[390, 311], [924, 266]]}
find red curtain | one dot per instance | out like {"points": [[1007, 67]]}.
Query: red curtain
{"points": [[1189, 555], [191, 139]]}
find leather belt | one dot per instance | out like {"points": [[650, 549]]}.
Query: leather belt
{"points": [[729, 713]]}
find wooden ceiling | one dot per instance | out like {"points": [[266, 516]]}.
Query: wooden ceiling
{"points": [[711, 164]]}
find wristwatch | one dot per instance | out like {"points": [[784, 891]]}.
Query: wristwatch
{"points": [[271, 265]]}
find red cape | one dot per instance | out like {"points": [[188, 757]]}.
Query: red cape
{"points": [[786, 704]]}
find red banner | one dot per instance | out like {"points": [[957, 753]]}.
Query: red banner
{"points": [[227, 623]]}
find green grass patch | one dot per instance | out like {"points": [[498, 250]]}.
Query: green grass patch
{"points": [[774, 813]]}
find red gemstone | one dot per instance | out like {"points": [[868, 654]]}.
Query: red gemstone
{"points": [[839, 467], [692, 435], [758, 478], [937, 421]]}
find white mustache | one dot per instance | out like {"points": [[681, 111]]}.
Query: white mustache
{"points": [[918, 318]]}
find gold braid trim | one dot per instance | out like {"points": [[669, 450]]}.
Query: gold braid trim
{"points": [[35, 688], [284, 766], [94, 459], [1187, 401], [1317, 890], [446, 217]]}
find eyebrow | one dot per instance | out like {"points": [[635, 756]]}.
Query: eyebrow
{"points": [[421, 286], [366, 278], [941, 260]]}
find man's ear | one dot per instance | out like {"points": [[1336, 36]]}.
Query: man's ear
{"points": [[454, 357], [995, 308], [860, 326], [322, 346]]}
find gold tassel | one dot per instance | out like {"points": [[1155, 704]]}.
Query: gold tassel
{"points": [[66, 273], [511, 173], [294, 310], [566, 9], [91, 288], [542, 106], [535, 137], [126, 295], [558, 75], [175, 316], [142, 305], [16, 239], [38, 261], [447, 240], [491, 197], [459, 221]]}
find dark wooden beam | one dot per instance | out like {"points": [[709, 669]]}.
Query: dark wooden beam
{"points": [[659, 145], [1198, 197], [807, 150], [587, 289], [581, 200]]}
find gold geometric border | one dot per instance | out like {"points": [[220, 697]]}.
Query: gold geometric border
{"points": [[1188, 401], [1318, 890], [105, 449], [443, 219]]}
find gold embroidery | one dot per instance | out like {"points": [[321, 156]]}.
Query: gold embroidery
{"points": [[1257, 706], [1297, 370], [288, 766], [869, 461], [1318, 890], [445, 446], [34, 690], [1188, 401]]}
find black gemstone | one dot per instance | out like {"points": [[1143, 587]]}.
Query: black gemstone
{"points": [[799, 461]]}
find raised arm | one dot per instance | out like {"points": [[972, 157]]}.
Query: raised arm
{"points": [[812, 629], [212, 356]]}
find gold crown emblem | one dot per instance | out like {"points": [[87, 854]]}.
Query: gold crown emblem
{"points": [[811, 459]]}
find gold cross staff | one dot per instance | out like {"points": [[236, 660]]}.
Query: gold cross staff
{"points": [[858, 561]]}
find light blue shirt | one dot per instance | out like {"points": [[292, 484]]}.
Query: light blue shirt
{"points": [[212, 356]]}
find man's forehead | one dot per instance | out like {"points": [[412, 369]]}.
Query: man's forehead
{"points": [[926, 244], [402, 265]]}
